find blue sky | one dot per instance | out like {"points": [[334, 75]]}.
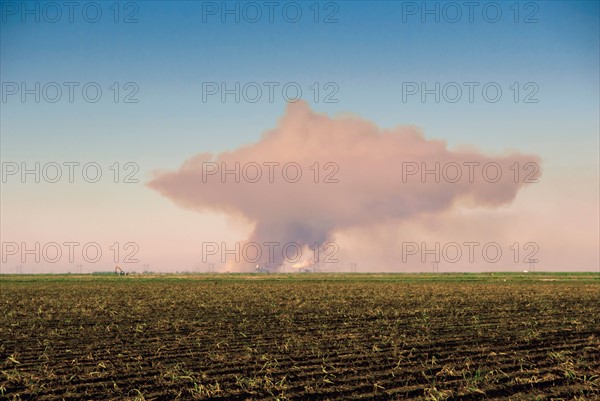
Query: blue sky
{"points": [[369, 53]]}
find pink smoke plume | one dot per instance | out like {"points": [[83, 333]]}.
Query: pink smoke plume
{"points": [[363, 176]]}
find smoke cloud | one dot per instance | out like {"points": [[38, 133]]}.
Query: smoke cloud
{"points": [[313, 176]]}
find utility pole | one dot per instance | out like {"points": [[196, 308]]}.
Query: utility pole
{"points": [[532, 263]]}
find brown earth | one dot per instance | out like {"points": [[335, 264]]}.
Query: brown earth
{"points": [[159, 339]]}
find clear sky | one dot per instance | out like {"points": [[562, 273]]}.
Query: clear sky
{"points": [[163, 54]]}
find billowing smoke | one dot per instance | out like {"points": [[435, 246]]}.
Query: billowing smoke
{"points": [[313, 176]]}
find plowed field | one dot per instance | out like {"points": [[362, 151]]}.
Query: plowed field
{"points": [[306, 338]]}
